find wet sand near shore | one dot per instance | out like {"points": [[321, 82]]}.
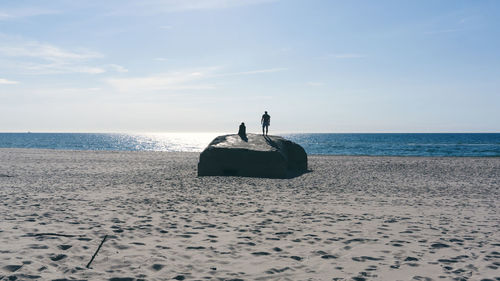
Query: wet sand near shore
{"points": [[350, 218]]}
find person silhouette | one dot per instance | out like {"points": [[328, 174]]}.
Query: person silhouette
{"points": [[265, 121], [242, 131]]}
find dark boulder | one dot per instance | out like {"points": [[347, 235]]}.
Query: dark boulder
{"points": [[253, 156]]}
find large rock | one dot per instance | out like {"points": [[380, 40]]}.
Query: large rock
{"points": [[253, 156]]}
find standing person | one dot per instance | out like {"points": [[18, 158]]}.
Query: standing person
{"points": [[265, 121]]}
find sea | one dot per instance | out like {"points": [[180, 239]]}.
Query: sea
{"points": [[375, 144]]}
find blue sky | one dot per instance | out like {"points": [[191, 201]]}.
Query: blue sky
{"points": [[207, 65]]}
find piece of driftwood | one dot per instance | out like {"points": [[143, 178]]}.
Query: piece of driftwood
{"points": [[95, 254], [50, 234]]}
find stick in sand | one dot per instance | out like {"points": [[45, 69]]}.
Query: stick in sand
{"points": [[51, 234], [95, 254]]}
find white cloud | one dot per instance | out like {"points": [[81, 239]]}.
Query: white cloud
{"points": [[118, 68], [86, 69], [167, 6], [39, 94], [345, 56], [181, 80], [33, 57], [45, 51], [53, 68], [212, 4], [67, 90], [315, 84], [5, 16], [186, 80], [269, 70], [7, 82], [25, 12]]}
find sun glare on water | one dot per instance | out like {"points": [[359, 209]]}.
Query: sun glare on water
{"points": [[182, 142]]}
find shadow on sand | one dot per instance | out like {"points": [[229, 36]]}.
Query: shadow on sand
{"points": [[295, 174]]}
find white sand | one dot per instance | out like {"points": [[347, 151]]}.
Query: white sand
{"points": [[351, 218]]}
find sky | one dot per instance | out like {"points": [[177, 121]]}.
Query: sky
{"points": [[208, 65]]}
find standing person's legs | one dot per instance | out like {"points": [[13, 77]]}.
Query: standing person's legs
{"points": [[267, 128]]}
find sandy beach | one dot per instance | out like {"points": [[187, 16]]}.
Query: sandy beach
{"points": [[349, 218]]}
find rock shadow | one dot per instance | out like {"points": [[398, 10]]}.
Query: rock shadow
{"points": [[243, 137], [271, 142]]}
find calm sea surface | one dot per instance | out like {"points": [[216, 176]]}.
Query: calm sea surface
{"points": [[482, 145]]}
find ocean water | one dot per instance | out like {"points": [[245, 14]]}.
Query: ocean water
{"points": [[480, 145]]}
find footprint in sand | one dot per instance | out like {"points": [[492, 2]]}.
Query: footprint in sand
{"points": [[64, 247], [260, 253], [195, 248], [366, 258], [12, 268], [37, 246], [157, 266], [439, 245], [277, 270], [58, 257]]}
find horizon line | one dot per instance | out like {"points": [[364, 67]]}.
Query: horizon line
{"points": [[220, 132]]}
